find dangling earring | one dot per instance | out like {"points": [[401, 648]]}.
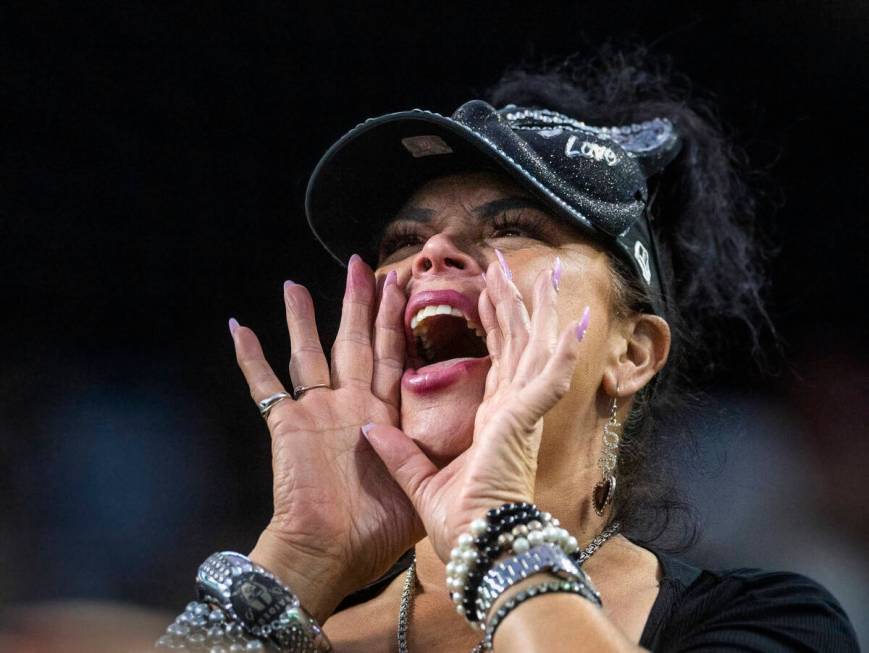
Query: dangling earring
{"points": [[605, 490]]}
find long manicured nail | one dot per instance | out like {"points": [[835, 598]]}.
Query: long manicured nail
{"points": [[391, 279], [503, 263], [288, 284], [582, 327], [556, 273], [233, 325], [366, 428]]}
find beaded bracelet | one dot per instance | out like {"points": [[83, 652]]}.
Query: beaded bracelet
{"points": [[476, 550], [512, 528], [562, 586]]}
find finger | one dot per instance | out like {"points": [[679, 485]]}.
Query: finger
{"points": [[543, 336], [513, 319], [404, 461], [261, 379], [553, 382], [489, 321], [308, 364], [389, 343], [352, 358]]}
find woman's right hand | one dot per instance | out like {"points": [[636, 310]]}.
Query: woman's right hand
{"points": [[339, 521]]}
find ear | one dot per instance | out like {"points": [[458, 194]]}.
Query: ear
{"points": [[646, 347]]}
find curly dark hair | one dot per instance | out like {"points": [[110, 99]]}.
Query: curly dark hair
{"points": [[711, 253]]}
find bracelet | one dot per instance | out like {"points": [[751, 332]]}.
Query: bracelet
{"points": [[546, 557], [572, 587], [243, 607], [513, 528], [477, 550], [204, 628]]}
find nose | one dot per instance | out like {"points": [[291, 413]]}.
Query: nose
{"points": [[440, 255]]}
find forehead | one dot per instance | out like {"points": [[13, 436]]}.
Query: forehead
{"points": [[470, 189]]}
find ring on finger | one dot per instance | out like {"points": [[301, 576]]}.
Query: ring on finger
{"points": [[299, 390], [268, 403]]}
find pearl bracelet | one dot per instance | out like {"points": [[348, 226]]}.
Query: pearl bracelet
{"points": [[512, 529]]}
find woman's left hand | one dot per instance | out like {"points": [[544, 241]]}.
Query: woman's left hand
{"points": [[532, 368]]}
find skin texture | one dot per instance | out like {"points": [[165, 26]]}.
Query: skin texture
{"points": [[449, 455]]}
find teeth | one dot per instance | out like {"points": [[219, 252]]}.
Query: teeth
{"points": [[420, 328], [440, 309]]}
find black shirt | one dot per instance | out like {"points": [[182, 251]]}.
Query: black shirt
{"points": [[743, 610], [732, 610]]}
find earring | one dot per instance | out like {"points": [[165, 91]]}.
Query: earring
{"points": [[605, 490]]}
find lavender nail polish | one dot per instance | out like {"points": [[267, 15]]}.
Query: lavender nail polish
{"points": [[556, 273], [288, 284], [366, 428], [353, 258], [504, 266], [582, 327], [391, 278], [233, 325]]}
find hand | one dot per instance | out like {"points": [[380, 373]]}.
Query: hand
{"points": [[339, 520], [532, 367]]}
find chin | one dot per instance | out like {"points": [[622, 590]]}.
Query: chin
{"points": [[441, 421]]}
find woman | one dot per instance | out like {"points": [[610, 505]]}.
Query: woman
{"points": [[512, 346]]}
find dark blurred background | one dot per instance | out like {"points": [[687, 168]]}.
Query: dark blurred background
{"points": [[154, 160]]}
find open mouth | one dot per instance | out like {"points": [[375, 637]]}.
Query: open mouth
{"points": [[442, 332]]}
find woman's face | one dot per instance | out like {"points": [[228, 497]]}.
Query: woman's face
{"points": [[440, 243]]}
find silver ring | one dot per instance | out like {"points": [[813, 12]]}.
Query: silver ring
{"points": [[266, 404], [301, 389]]}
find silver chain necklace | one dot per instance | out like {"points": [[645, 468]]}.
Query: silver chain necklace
{"points": [[407, 593]]}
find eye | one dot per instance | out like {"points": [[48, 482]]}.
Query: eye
{"points": [[398, 237], [517, 225]]}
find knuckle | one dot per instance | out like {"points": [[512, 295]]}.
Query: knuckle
{"points": [[391, 362], [355, 337], [561, 386], [387, 323], [303, 351]]}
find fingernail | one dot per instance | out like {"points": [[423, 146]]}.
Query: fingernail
{"points": [[288, 284], [504, 265], [484, 277], [366, 428], [233, 325], [355, 278], [556, 273], [391, 278], [582, 327]]}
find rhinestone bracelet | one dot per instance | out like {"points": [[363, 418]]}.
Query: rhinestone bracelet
{"points": [[204, 628], [562, 586]]}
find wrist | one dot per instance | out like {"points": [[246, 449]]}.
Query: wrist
{"points": [[317, 580]]}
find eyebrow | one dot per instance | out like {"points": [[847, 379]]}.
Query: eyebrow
{"points": [[415, 214], [493, 208], [484, 212]]}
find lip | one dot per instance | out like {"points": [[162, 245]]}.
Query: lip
{"points": [[437, 376]]}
